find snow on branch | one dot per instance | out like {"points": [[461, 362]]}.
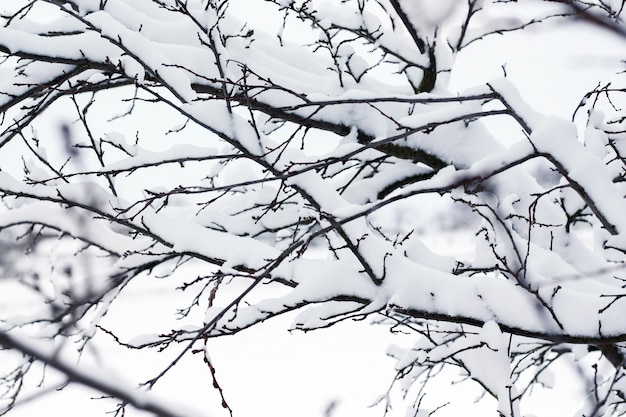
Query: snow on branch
{"points": [[298, 156]]}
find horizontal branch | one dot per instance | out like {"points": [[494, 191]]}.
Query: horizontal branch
{"points": [[517, 331]]}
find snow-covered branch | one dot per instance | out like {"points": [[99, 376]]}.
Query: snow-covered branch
{"points": [[288, 167]]}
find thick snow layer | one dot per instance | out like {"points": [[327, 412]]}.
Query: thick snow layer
{"points": [[278, 170]]}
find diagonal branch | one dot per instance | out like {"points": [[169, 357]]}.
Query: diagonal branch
{"points": [[94, 379]]}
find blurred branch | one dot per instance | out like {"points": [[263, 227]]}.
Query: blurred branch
{"points": [[93, 378]]}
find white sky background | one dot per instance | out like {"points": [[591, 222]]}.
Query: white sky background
{"points": [[267, 371]]}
